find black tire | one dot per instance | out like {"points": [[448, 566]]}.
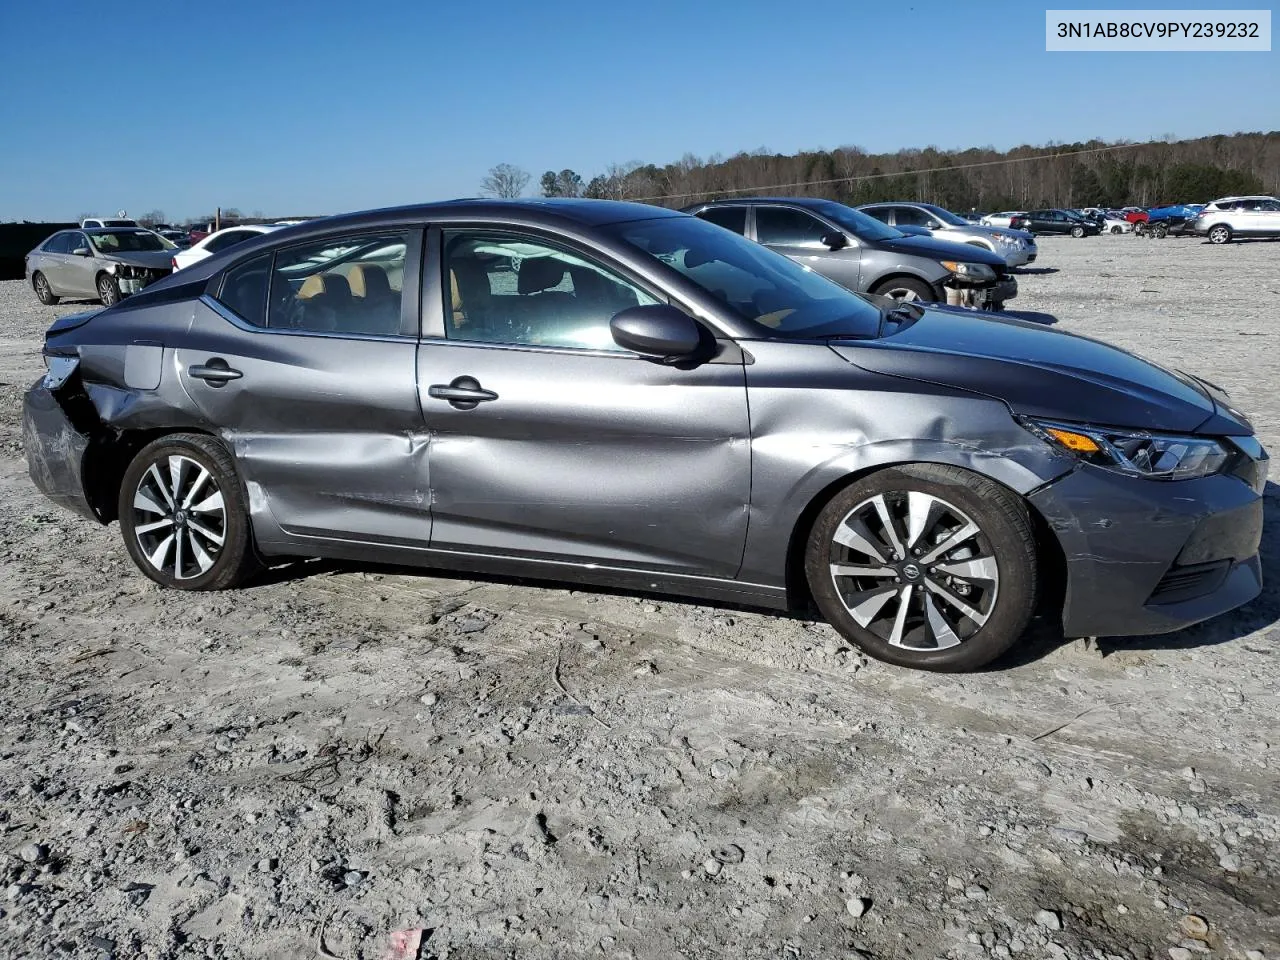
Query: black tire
{"points": [[1117, 229], [1077, 232], [896, 288], [108, 290], [1004, 538], [43, 291], [1160, 231], [1219, 233], [198, 524], [1140, 228]]}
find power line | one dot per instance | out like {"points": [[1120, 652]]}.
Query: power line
{"points": [[880, 176]]}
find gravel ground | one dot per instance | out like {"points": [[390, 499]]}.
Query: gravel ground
{"points": [[299, 768]]}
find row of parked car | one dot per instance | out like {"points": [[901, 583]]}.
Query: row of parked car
{"points": [[1221, 221], [111, 257]]}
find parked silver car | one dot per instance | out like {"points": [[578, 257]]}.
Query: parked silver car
{"points": [[1016, 246], [863, 254], [1224, 220], [103, 263]]}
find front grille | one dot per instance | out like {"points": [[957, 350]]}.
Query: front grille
{"points": [[1189, 582]]}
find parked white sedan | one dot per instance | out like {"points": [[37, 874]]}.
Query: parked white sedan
{"points": [[217, 242]]}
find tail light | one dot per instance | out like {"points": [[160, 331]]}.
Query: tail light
{"points": [[173, 262]]}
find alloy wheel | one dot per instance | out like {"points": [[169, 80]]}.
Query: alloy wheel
{"points": [[107, 292], [902, 293], [914, 570], [42, 287], [1219, 234], [179, 517]]}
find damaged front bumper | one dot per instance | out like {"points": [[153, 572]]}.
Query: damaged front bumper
{"points": [[1149, 556], [992, 296]]}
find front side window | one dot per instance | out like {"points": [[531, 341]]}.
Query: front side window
{"points": [[340, 285], [504, 288], [879, 213], [788, 227], [781, 297], [912, 217], [731, 218]]}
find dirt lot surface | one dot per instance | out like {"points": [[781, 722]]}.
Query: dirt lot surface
{"points": [[299, 768]]}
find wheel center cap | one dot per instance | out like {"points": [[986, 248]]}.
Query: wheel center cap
{"points": [[180, 518], [910, 571]]}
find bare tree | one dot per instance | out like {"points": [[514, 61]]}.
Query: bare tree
{"points": [[151, 218], [504, 181]]}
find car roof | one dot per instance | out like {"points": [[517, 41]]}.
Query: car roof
{"points": [[97, 230], [556, 209], [1253, 196], [795, 201]]}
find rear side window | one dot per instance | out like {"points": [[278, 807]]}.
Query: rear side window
{"points": [[731, 218], [340, 285], [244, 290], [880, 213], [785, 226]]}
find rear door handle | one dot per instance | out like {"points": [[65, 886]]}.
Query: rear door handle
{"points": [[216, 372], [463, 393]]}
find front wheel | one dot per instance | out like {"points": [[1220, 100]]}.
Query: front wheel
{"points": [[1077, 232], [1220, 233], [904, 288], [925, 566], [1160, 231], [1139, 228], [108, 290], [1117, 229], [184, 516], [43, 291]]}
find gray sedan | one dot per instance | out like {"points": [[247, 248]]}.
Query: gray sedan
{"points": [[1016, 246], [103, 263], [618, 394], [863, 254]]}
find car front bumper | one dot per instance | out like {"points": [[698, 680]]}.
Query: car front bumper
{"points": [[1149, 556]]}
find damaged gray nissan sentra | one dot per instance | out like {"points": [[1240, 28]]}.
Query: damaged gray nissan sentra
{"points": [[622, 395]]}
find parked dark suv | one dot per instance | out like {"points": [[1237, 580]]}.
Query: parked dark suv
{"points": [[863, 254], [1060, 221]]}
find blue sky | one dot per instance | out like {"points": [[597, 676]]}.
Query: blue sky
{"points": [[322, 106]]}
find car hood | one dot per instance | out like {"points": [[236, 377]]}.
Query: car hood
{"points": [[151, 259], [1041, 372], [936, 249]]}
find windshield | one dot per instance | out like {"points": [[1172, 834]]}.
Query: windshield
{"points": [[861, 225], [946, 216], [129, 241], [784, 299]]}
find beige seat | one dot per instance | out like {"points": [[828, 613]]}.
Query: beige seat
{"points": [[369, 281], [326, 300]]}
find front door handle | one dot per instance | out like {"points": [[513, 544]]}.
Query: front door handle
{"points": [[217, 372], [464, 393]]}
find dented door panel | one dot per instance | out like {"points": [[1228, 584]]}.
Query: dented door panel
{"points": [[589, 458], [326, 429]]}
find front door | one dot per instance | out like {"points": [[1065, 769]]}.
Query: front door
{"points": [[312, 386], [549, 441]]}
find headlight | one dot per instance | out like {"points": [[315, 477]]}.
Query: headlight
{"points": [[1151, 455], [1003, 239], [970, 271]]}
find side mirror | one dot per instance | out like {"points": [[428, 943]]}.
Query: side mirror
{"points": [[933, 225], [657, 331], [80, 252], [835, 240]]}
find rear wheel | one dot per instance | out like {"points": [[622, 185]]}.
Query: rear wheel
{"points": [[1160, 231], [904, 288], [184, 517], [1117, 229], [1220, 233], [108, 290], [925, 566], [1077, 232], [43, 290], [1139, 228]]}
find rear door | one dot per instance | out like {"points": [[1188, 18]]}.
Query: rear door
{"points": [[52, 261], [571, 449], [798, 234], [313, 387]]}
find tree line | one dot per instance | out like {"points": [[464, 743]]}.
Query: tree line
{"points": [[1091, 173]]}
